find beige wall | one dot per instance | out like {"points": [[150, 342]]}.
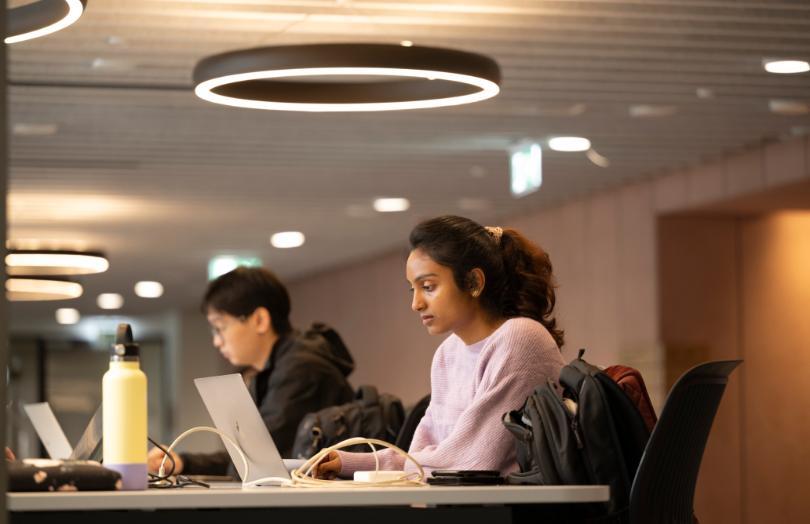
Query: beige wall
{"points": [[699, 294], [775, 332], [739, 287]]}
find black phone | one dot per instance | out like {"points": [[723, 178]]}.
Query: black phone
{"points": [[470, 477]]}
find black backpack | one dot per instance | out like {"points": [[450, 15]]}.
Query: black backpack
{"points": [[370, 415], [590, 432]]}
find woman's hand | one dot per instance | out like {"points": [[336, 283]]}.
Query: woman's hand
{"points": [[328, 468], [155, 457], [10, 454]]}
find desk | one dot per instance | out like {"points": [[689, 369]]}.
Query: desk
{"points": [[469, 504]]}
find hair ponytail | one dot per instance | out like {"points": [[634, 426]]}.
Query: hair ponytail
{"points": [[529, 290], [519, 282]]}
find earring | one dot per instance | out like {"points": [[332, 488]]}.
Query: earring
{"points": [[476, 292]]}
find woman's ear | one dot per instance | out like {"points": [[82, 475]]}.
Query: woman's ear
{"points": [[476, 281]]}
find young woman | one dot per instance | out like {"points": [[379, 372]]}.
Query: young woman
{"points": [[493, 291]]}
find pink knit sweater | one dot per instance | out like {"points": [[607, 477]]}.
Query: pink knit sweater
{"points": [[471, 388]]}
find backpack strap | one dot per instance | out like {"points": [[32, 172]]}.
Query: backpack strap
{"points": [[368, 394]]}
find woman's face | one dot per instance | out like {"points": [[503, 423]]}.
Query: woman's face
{"points": [[441, 305]]}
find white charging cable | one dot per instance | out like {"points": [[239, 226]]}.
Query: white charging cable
{"points": [[302, 477], [229, 440]]}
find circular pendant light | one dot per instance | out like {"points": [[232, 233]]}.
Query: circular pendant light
{"points": [[41, 18], [23, 289], [51, 262], [346, 77]]}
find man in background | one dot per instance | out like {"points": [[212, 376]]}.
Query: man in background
{"points": [[289, 373]]}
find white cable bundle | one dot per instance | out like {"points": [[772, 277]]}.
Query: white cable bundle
{"points": [[184, 434], [302, 477]]}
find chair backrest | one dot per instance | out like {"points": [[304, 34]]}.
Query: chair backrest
{"points": [[411, 422], [664, 486]]}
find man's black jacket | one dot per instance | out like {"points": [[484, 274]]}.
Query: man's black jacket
{"points": [[305, 372]]}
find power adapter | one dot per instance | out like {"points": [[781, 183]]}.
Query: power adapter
{"points": [[377, 476]]}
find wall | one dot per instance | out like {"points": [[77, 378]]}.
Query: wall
{"points": [[700, 318], [775, 332], [739, 287], [194, 357]]}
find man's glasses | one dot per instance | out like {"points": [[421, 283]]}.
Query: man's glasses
{"points": [[217, 331]]}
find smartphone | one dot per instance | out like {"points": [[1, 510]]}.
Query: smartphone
{"points": [[465, 478]]}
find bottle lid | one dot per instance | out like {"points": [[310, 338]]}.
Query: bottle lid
{"points": [[124, 348]]}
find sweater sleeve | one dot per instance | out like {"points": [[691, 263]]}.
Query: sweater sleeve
{"points": [[478, 439]]}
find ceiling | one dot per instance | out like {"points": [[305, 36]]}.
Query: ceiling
{"points": [[111, 149]]}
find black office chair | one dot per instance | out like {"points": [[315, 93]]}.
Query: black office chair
{"points": [[664, 486], [411, 421]]}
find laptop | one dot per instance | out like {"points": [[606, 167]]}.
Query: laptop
{"points": [[235, 414], [53, 437]]}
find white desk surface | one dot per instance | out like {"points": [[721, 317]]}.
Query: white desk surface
{"points": [[220, 497]]}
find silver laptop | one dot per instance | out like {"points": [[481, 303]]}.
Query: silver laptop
{"points": [[53, 437], [235, 414]]}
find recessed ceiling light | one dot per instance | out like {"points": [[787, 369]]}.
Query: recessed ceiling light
{"points": [[704, 93], [41, 289], [110, 301], [569, 144], [31, 129], [149, 289], [651, 110], [785, 67], [67, 316], [33, 20], [112, 64], [287, 239], [44, 262], [391, 205], [789, 107]]}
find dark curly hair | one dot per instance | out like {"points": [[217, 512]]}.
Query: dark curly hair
{"points": [[519, 282]]}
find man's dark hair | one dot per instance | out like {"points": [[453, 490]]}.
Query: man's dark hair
{"points": [[241, 291]]}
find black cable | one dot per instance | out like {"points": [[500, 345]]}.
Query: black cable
{"points": [[165, 482]]}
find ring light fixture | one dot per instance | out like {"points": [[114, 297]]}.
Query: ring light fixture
{"points": [[46, 262], [29, 288], [41, 18], [346, 77]]}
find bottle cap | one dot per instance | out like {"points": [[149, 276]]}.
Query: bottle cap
{"points": [[124, 348]]}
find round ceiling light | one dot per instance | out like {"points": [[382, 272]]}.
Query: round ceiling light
{"points": [[41, 18], [346, 77], [785, 67], [48, 262], [287, 239], [569, 144], [19, 289]]}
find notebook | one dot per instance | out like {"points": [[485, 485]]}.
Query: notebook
{"points": [[235, 414]]}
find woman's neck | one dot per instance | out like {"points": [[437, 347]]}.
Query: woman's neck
{"points": [[479, 328]]}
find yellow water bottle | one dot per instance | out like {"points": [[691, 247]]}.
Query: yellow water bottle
{"points": [[124, 412]]}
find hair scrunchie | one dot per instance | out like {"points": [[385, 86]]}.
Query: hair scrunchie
{"points": [[495, 232]]}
